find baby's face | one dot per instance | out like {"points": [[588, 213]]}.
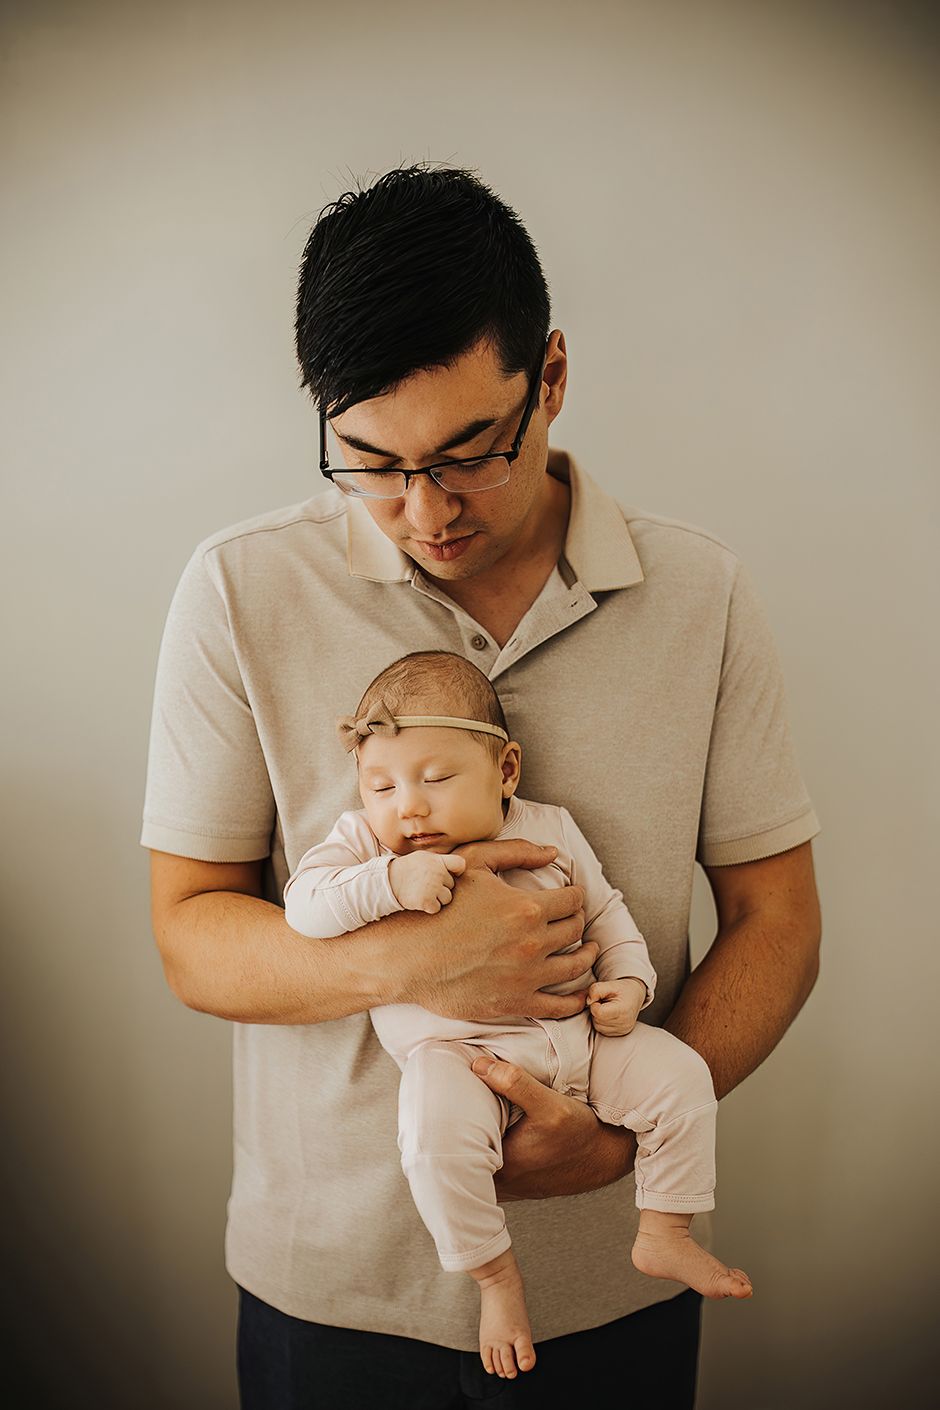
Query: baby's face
{"points": [[431, 789]]}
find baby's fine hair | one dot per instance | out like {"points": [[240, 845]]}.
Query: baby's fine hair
{"points": [[439, 683]]}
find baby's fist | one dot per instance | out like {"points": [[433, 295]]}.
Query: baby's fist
{"points": [[615, 1004], [424, 881]]}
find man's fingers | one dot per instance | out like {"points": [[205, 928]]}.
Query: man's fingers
{"points": [[562, 903], [573, 964], [506, 855], [556, 1006], [563, 969]]}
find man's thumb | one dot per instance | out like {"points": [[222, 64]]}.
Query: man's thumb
{"points": [[512, 1082]]}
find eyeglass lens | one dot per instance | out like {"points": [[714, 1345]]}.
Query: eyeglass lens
{"points": [[464, 477]]}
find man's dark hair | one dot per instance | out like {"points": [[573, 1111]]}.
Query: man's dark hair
{"points": [[410, 273]]}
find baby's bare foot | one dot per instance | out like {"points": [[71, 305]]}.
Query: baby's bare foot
{"points": [[505, 1336], [667, 1250]]}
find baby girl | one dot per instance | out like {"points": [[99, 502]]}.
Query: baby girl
{"points": [[437, 769]]}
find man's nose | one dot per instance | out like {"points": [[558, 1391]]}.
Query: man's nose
{"points": [[428, 508]]}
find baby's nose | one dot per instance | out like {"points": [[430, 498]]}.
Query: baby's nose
{"points": [[412, 803]]}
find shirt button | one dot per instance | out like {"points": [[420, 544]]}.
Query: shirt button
{"points": [[478, 642]]}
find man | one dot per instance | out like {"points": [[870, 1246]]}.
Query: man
{"points": [[636, 669]]}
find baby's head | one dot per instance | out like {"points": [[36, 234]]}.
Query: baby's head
{"points": [[426, 786]]}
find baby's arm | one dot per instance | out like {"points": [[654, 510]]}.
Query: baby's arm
{"points": [[625, 975], [322, 901], [345, 882], [341, 884]]}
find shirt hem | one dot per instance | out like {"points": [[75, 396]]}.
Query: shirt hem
{"points": [[360, 1315], [199, 848], [761, 844]]}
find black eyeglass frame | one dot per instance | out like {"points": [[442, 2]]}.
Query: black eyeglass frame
{"points": [[442, 466]]}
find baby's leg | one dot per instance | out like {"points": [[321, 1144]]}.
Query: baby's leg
{"points": [[451, 1128], [505, 1334], [654, 1084], [450, 1137]]}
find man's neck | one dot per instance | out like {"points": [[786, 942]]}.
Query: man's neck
{"points": [[499, 598]]}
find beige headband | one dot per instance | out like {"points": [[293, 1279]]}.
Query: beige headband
{"points": [[380, 720]]}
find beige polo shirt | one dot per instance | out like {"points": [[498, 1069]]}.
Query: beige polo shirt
{"points": [[645, 691]]}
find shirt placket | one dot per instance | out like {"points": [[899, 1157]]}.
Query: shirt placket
{"points": [[558, 605]]}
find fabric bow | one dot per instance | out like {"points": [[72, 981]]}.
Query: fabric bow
{"points": [[352, 732]]}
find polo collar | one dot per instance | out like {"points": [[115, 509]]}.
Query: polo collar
{"points": [[598, 546]]}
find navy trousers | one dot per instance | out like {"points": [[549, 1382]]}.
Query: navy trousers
{"points": [[647, 1359]]}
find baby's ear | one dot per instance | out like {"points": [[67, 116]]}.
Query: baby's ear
{"points": [[511, 766]]}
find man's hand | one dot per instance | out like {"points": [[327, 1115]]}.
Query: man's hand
{"points": [[423, 881], [559, 1147], [487, 954], [490, 953], [615, 1005]]}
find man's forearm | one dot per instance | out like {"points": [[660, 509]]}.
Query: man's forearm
{"points": [[738, 1003], [234, 956], [488, 954]]}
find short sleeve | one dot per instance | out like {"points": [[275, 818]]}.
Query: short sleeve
{"points": [[208, 792], [754, 802]]}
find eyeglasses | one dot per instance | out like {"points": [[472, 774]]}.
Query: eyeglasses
{"points": [[484, 472]]}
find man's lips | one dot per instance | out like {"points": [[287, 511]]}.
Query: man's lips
{"points": [[446, 550]]}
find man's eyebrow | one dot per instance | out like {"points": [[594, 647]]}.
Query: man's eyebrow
{"points": [[465, 434]]}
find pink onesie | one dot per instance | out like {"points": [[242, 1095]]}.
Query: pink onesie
{"points": [[450, 1123]]}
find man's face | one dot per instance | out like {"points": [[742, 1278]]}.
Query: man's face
{"points": [[456, 413]]}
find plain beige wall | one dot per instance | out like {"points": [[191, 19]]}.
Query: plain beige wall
{"points": [[737, 206]]}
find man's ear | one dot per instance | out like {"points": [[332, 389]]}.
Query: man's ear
{"points": [[555, 376], [511, 766]]}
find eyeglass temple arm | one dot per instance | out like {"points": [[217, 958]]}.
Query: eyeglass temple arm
{"points": [[324, 453]]}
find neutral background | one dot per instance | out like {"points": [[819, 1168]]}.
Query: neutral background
{"points": [[737, 205]]}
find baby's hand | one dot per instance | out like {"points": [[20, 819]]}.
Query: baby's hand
{"points": [[615, 1004], [423, 881]]}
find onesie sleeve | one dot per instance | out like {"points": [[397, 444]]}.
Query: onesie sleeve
{"points": [[208, 796], [338, 886], [623, 952], [754, 802]]}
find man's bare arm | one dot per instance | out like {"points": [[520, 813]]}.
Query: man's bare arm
{"points": [[734, 1009], [738, 1003], [228, 952]]}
